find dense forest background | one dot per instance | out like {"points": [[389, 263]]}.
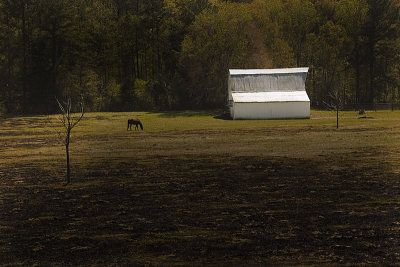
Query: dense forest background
{"points": [[125, 55]]}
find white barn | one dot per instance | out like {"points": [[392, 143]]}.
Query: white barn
{"points": [[268, 94]]}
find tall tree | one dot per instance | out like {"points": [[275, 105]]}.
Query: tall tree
{"points": [[381, 25], [329, 62], [352, 15], [298, 20], [216, 42]]}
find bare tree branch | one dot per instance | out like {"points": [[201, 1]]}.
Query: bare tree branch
{"points": [[82, 112], [61, 106]]}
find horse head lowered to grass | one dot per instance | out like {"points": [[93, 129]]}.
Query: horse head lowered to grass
{"points": [[135, 122]]}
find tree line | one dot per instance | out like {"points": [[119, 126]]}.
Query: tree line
{"points": [[124, 55]]}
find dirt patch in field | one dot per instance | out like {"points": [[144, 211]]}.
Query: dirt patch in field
{"points": [[201, 209]]}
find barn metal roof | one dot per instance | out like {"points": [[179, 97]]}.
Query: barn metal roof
{"points": [[266, 71], [264, 97]]}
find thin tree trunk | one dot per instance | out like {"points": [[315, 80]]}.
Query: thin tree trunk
{"points": [[68, 166], [138, 72], [357, 67], [67, 153], [24, 55], [392, 91], [7, 92], [53, 62], [371, 80], [337, 118]]}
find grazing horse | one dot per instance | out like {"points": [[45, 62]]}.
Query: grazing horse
{"points": [[135, 122]]}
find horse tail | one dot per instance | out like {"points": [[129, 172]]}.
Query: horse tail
{"points": [[128, 126], [141, 125]]}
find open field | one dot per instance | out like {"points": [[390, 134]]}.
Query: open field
{"points": [[196, 189]]}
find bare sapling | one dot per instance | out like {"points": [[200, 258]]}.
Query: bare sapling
{"points": [[69, 120], [335, 103]]}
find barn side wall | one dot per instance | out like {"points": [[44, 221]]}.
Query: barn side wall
{"points": [[271, 110]]}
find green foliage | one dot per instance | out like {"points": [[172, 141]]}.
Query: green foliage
{"points": [[298, 19], [180, 50], [282, 54], [144, 98], [216, 41]]}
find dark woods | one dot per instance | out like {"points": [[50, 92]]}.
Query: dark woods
{"points": [[169, 54]]}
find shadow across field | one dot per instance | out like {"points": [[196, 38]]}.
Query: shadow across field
{"points": [[202, 209], [186, 113], [223, 116]]}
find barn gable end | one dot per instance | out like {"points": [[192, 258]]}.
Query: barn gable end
{"points": [[268, 93]]}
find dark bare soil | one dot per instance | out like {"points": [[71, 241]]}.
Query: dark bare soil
{"points": [[202, 210]]}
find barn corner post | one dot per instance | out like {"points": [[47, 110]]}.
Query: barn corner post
{"points": [[68, 122]]}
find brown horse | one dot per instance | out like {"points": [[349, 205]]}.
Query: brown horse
{"points": [[135, 122]]}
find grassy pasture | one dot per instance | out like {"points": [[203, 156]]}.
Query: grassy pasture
{"points": [[196, 189]]}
